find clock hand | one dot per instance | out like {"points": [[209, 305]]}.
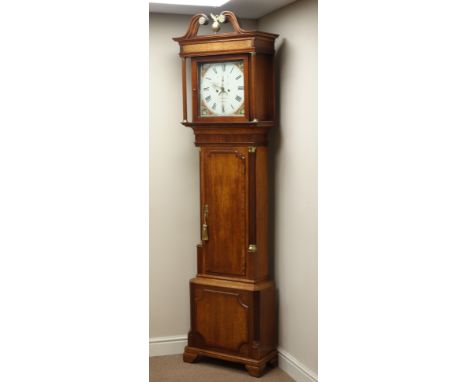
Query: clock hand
{"points": [[219, 87]]}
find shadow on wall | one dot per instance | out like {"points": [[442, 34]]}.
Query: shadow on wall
{"points": [[274, 143]]}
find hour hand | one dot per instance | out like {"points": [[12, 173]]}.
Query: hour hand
{"points": [[222, 90]]}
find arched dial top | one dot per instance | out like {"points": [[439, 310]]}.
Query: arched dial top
{"points": [[221, 90]]}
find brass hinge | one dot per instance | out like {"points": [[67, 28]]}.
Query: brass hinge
{"points": [[252, 248], [252, 149]]}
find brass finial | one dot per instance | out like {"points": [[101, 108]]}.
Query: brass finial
{"points": [[217, 20]]}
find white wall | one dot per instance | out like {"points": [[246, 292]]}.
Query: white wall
{"points": [[294, 172], [174, 186], [174, 193]]}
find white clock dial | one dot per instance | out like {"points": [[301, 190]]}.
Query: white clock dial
{"points": [[222, 89]]}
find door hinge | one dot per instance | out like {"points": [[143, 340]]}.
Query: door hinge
{"points": [[252, 248]]}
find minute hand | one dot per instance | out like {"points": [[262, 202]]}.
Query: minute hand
{"points": [[222, 85], [219, 87]]}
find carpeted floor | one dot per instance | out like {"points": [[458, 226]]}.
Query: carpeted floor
{"points": [[171, 368]]}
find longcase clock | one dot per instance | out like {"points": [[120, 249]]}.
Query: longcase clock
{"points": [[232, 99]]}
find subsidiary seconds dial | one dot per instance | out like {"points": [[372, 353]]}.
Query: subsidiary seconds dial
{"points": [[222, 89]]}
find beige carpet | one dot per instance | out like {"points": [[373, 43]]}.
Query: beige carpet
{"points": [[172, 369]]}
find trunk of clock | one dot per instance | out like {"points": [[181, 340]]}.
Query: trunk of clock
{"points": [[224, 193], [234, 207], [235, 200]]}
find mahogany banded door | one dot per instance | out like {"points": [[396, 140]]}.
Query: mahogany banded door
{"points": [[224, 202]]}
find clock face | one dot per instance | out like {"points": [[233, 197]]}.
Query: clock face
{"points": [[222, 89]]}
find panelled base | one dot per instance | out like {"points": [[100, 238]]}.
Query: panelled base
{"points": [[233, 321]]}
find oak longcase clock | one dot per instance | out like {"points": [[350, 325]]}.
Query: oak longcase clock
{"points": [[231, 93]]}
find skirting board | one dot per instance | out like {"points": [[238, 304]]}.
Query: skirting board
{"points": [[295, 369], [167, 345], [175, 345]]}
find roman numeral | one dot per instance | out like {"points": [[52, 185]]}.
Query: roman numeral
{"points": [[207, 88], [214, 70], [223, 108], [214, 106], [208, 78], [240, 87], [238, 99], [208, 99], [239, 76], [232, 106], [224, 67], [231, 69]]}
